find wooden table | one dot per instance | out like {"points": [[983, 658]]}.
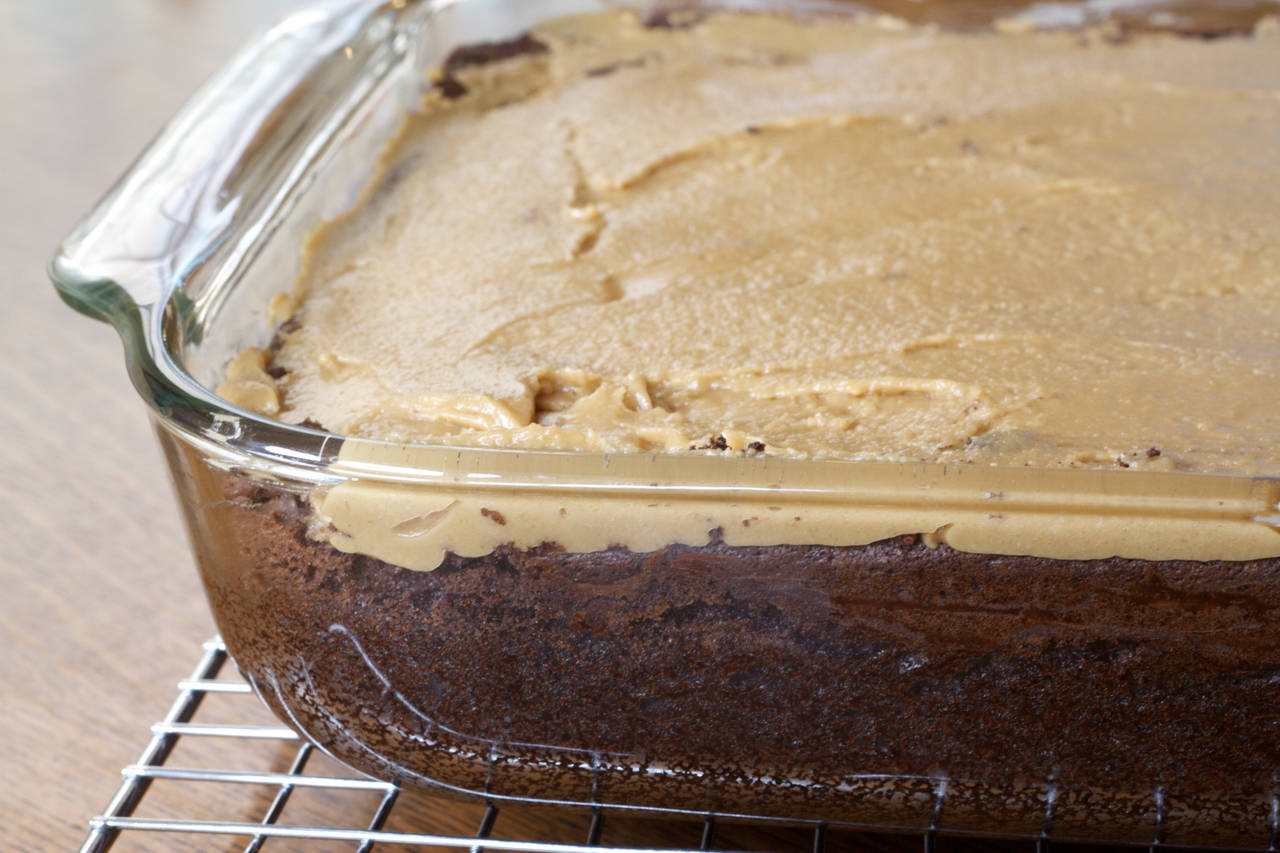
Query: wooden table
{"points": [[100, 609]]}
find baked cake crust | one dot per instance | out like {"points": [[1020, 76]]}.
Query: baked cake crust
{"points": [[841, 684]]}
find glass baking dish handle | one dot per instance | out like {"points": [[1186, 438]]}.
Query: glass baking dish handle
{"points": [[182, 198]]}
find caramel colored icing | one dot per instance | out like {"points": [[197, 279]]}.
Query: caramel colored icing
{"points": [[760, 235], [829, 238], [824, 238]]}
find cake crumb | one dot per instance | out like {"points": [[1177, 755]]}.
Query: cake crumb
{"points": [[493, 515], [717, 443], [450, 89]]}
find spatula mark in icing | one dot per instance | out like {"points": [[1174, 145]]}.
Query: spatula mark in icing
{"points": [[420, 525], [583, 197]]}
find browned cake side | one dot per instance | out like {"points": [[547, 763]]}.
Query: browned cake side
{"points": [[807, 665]]}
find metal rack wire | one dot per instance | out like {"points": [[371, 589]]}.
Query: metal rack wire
{"points": [[120, 818]]}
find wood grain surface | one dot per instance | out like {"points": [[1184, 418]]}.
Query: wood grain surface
{"points": [[100, 610]]}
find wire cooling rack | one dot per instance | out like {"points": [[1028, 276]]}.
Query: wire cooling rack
{"points": [[277, 787], [154, 766]]}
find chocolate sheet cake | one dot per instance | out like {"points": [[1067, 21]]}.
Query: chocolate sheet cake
{"points": [[1086, 698], [759, 239]]}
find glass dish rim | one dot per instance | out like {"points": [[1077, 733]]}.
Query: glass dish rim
{"points": [[142, 297]]}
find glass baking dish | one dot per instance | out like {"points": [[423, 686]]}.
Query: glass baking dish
{"points": [[866, 677]]}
